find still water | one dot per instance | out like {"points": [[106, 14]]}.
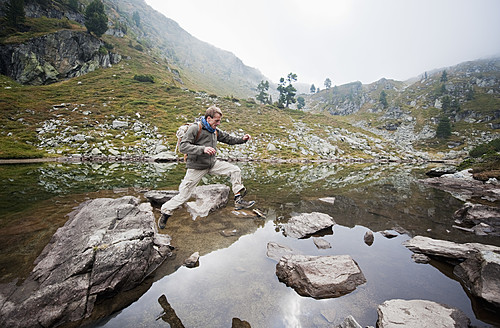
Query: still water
{"points": [[235, 278]]}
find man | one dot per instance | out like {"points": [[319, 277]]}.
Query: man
{"points": [[200, 145]]}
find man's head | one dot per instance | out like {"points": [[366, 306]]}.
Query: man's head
{"points": [[213, 116]]}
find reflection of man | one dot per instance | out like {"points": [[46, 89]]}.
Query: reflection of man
{"points": [[200, 144], [168, 314]]}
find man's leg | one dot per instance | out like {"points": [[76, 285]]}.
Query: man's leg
{"points": [[186, 188], [225, 168]]}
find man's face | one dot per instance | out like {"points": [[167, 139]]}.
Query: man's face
{"points": [[214, 121]]}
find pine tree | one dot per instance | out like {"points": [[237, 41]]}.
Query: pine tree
{"points": [[14, 12], [262, 88], [443, 130], [96, 20]]}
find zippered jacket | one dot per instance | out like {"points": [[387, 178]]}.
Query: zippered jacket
{"points": [[194, 147]]}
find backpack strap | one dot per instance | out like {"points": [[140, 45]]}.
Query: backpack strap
{"points": [[199, 131]]}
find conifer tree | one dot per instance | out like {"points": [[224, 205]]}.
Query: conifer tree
{"points": [[96, 20], [262, 88], [14, 12]]}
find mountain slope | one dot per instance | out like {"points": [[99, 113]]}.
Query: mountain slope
{"points": [[200, 64]]}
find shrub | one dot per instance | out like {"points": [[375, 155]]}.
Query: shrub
{"points": [[489, 148], [144, 78]]}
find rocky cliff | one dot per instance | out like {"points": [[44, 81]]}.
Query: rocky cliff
{"points": [[54, 57]]}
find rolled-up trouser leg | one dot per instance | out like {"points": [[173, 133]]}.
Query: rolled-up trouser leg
{"points": [[225, 168], [186, 188]]}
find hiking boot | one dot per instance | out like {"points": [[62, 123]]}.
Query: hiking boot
{"points": [[162, 222], [240, 203]]}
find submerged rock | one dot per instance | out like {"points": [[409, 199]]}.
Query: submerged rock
{"points": [[320, 276], [305, 224], [419, 313], [107, 246], [476, 265], [276, 251]]}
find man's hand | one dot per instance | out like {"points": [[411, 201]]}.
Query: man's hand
{"points": [[247, 137], [209, 151]]}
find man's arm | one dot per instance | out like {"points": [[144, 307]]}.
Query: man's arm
{"points": [[230, 140]]}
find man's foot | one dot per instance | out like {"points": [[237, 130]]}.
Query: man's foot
{"points": [[240, 203], [162, 222]]}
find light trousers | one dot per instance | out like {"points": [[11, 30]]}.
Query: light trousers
{"points": [[193, 177]]}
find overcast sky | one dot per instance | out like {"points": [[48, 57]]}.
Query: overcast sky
{"points": [[346, 41]]}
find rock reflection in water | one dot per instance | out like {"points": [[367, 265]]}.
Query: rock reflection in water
{"points": [[235, 278]]}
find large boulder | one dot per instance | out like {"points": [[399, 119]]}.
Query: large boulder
{"points": [[419, 313], [107, 246], [463, 186], [320, 276], [208, 198], [476, 265], [481, 219], [306, 224]]}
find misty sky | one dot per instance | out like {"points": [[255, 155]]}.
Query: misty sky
{"points": [[346, 41]]}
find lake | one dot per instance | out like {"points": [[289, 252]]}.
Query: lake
{"points": [[235, 278]]}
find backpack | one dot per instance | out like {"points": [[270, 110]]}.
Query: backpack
{"points": [[181, 131]]}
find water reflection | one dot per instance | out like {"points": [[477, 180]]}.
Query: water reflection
{"points": [[235, 278]]}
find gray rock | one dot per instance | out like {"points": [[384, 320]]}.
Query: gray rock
{"points": [[166, 156], [93, 255], [419, 313], [369, 238], [192, 261], [479, 269], [276, 251], [159, 197], [321, 243], [117, 124], [330, 200], [349, 322], [462, 186], [305, 224], [420, 258], [208, 199], [320, 276], [483, 219]]}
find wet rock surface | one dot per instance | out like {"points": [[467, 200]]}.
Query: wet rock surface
{"points": [[320, 276], [107, 246], [477, 265], [305, 224], [419, 313]]}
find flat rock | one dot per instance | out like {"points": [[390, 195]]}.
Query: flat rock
{"points": [[208, 198], [418, 314], [321, 243], [276, 251], [478, 264], [320, 276], [159, 197], [305, 224], [107, 246]]}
